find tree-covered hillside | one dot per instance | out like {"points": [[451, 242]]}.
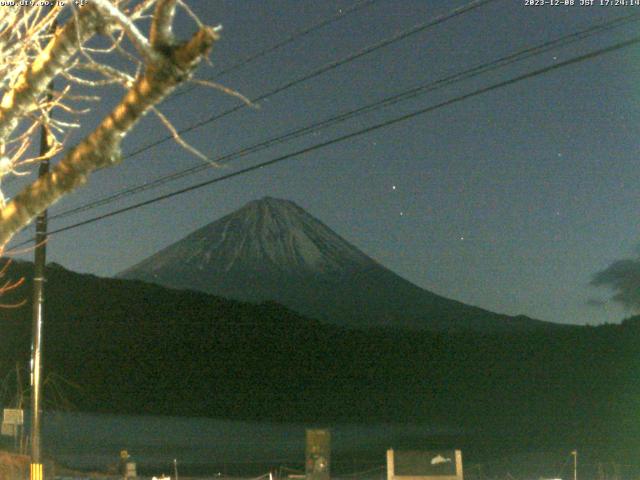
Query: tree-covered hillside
{"points": [[135, 347]]}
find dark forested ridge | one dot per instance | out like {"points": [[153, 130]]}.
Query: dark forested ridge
{"points": [[140, 348]]}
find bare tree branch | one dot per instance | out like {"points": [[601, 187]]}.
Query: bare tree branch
{"points": [[102, 147], [21, 98], [137, 38], [161, 28]]}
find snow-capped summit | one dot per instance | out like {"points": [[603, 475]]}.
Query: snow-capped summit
{"points": [[265, 235], [274, 234], [271, 249]]}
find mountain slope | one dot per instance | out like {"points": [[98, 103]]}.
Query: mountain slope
{"points": [[272, 249]]}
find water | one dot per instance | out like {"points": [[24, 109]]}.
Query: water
{"points": [[202, 445]]}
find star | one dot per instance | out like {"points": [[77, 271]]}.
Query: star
{"points": [[393, 187]]}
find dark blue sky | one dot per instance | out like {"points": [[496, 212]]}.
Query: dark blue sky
{"points": [[511, 200]]}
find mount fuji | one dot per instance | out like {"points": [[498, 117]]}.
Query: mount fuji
{"points": [[273, 250]]}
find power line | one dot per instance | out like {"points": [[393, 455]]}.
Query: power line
{"points": [[474, 4], [290, 39], [417, 29], [406, 95], [357, 133], [354, 8]]}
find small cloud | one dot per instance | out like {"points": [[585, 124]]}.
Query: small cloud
{"points": [[623, 277], [596, 303]]}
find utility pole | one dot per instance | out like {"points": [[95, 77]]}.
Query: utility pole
{"points": [[36, 471]]}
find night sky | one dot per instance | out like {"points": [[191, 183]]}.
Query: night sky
{"points": [[511, 200]]}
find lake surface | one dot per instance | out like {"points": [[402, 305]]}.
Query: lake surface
{"points": [[204, 445]]}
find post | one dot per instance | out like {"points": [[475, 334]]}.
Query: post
{"points": [[318, 454], [390, 464], [575, 464], [36, 471]]}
